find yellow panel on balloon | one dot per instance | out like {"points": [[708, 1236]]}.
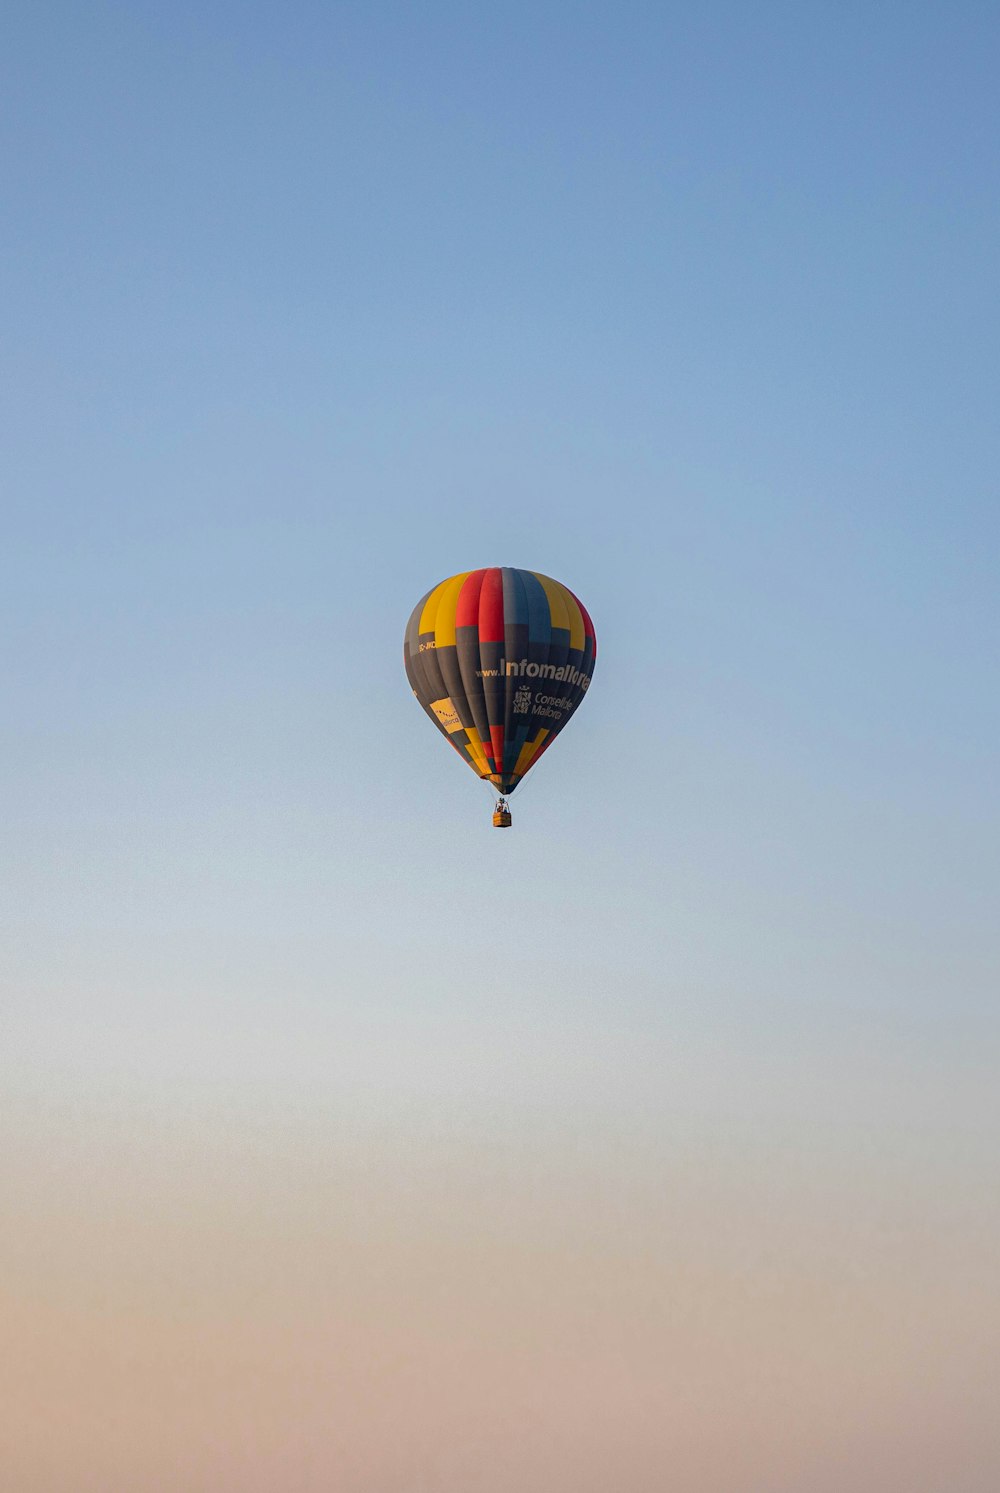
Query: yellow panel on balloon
{"points": [[447, 715]]}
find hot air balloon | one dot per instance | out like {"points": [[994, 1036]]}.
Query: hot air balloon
{"points": [[500, 659]]}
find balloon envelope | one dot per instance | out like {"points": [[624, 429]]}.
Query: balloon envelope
{"points": [[500, 659]]}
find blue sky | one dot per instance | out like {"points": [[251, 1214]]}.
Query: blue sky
{"points": [[693, 307]]}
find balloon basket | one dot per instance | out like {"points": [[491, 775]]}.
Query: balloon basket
{"points": [[501, 815]]}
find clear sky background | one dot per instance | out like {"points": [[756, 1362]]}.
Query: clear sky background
{"points": [[350, 1147]]}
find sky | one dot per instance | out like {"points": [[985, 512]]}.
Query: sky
{"points": [[349, 1145]]}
